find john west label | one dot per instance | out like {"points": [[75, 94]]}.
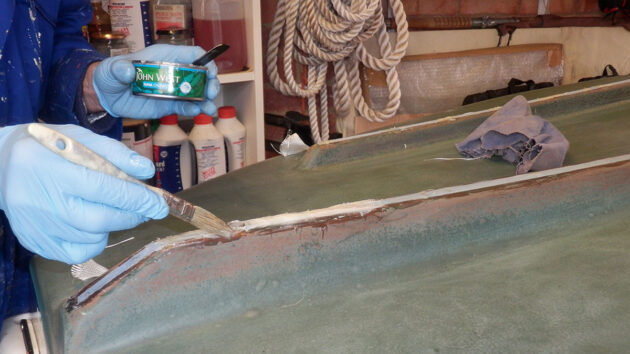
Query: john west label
{"points": [[185, 82]]}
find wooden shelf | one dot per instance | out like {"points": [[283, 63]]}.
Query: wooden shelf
{"points": [[244, 89], [241, 76]]}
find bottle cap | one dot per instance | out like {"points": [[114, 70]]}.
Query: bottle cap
{"points": [[227, 112], [171, 119], [203, 119]]}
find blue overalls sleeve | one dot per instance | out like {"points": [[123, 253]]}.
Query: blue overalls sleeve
{"points": [[70, 59], [43, 59]]}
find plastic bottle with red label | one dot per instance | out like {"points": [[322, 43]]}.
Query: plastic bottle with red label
{"points": [[234, 134], [172, 156], [209, 149]]}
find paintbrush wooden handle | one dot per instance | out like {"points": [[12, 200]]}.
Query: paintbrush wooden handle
{"points": [[81, 155], [178, 207], [74, 151]]}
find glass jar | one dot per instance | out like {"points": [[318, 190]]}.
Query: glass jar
{"points": [[174, 35], [109, 43], [100, 18], [171, 13], [222, 21]]}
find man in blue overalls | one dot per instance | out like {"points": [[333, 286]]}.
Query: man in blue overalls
{"points": [[52, 207]]}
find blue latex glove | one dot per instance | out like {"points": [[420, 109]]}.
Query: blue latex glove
{"points": [[63, 211], [112, 83]]}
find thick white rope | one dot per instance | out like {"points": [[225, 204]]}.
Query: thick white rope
{"points": [[314, 33]]}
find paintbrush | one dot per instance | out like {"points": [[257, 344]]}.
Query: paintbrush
{"points": [[79, 154]]}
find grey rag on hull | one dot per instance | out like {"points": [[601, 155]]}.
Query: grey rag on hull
{"points": [[519, 137]]}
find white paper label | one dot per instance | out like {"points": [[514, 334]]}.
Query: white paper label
{"points": [[165, 16], [131, 17], [210, 162], [236, 153]]}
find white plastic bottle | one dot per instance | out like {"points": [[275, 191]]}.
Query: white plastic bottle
{"points": [[209, 149], [234, 134], [172, 156]]}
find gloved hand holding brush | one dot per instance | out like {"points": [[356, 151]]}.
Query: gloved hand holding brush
{"points": [[63, 211]]}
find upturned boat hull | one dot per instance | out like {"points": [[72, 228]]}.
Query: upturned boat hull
{"points": [[380, 243]]}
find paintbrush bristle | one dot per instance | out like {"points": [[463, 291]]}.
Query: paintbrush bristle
{"points": [[205, 220], [197, 216], [87, 270]]}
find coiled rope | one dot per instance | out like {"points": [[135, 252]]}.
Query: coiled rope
{"points": [[318, 32]]}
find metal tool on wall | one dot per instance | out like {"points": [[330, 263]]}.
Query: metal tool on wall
{"points": [[509, 25]]}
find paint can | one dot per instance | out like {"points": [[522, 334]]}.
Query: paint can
{"points": [[169, 80]]}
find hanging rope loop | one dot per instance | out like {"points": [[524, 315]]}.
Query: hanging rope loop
{"points": [[314, 33]]}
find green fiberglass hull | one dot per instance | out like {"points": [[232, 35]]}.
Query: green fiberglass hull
{"points": [[379, 244]]}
